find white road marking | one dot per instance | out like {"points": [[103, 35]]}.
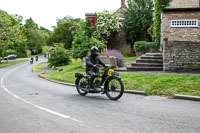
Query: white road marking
{"points": [[34, 105]]}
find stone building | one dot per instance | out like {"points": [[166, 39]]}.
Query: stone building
{"points": [[181, 20], [180, 36], [119, 41]]}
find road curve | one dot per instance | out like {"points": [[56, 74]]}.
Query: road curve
{"points": [[29, 104]]}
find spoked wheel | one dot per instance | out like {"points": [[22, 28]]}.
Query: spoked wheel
{"points": [[115, 89], [81, 86]]}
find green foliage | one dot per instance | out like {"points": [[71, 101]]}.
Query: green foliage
{"points": [[143, 46], [59, 56], [138, 17], [11, 34], [107, 25], [63, 32], [83, 42], [14, 36], [30, 24], [163, 84], [19, 19], [159, 5], [35, 40], [126, 52], [38, 67]]}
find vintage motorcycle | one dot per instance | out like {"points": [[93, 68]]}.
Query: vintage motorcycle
{"points": [[31, 60], [106, 81]]}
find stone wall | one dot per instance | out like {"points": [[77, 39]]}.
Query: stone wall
{"points": [[184, 3], [183, 56], [112, 60], [179, 33]]}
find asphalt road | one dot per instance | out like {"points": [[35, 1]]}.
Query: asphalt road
{"points": [[29, 104]]}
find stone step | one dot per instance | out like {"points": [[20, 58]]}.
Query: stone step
{"points": [[154, 54], [149, 61], [136, 68], [151, 57], [148, 64]]}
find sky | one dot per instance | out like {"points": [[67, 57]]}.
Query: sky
{"points": [[45, 12]]}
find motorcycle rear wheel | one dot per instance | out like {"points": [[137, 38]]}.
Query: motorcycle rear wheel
{"points": [[81, 86], [115, 88]]}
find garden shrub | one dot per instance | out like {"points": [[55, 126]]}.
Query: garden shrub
{"points": [[59, 56], [21, 55], [128, 52], [143, 47]]}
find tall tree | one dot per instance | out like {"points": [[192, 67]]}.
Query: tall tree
{"points": [[63, 32], [35, 37], [9, 32], [19, 18], [138, 17], [29, 23]]}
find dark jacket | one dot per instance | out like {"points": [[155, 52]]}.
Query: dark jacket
{"points": [[91, 61]]}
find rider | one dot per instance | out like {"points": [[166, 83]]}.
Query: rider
{"points": [[31, 60], [36, 58], [92, 63]]}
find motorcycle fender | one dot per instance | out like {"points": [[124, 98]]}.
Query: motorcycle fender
{"points": [[78, 75], [108, 79]]}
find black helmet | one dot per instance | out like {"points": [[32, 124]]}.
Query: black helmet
{"points": [[94, 50]]}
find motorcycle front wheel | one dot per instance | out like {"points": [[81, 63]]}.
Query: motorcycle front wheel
{"points": [[115, 88], [81, 86]]}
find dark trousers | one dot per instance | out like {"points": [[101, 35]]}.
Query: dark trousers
{"points": [[93, 75]]}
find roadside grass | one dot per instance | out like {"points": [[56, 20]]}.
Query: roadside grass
{"points": [[68, 73], [74, 65], [3, 64], [152, 84], [38, 67], [163, 84], [126, 58]]}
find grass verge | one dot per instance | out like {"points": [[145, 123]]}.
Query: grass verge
{"points": [[152, 84], [67, 75], [38, 67], [3, 64], [163, 84]]}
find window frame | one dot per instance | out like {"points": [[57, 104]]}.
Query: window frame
{"points": [[184, 23]]}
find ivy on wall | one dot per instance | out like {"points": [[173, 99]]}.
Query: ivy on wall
{"points": [[159, 5]]}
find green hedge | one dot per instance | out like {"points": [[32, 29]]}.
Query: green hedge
{"points": [[143, 46]]}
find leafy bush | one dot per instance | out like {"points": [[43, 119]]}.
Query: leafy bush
{"points": [[128, 52], [142, 46], [21, 55], [59, 56], [83, 42], [107, 25]]}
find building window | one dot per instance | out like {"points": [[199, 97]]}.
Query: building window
{"points": [[185, 23]]}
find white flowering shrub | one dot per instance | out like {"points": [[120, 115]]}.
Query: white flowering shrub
{"points": [[107, 25]]}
